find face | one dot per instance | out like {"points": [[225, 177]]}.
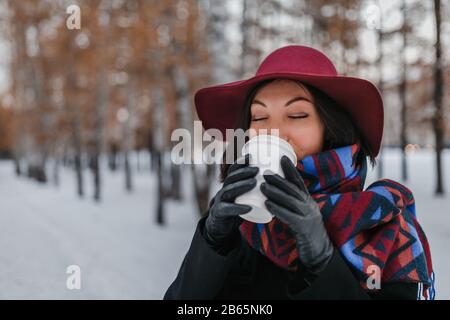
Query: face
{"points": [[287, 106]]}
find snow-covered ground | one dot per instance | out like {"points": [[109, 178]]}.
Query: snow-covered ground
{"points": [[122, 253]]}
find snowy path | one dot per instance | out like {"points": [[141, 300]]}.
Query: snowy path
{"points": [[122, 253]]}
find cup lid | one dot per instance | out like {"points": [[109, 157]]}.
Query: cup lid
{"points": [[274, 140]]}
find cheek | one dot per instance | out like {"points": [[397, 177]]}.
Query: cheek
{"points": [[262, 127], [254, 129], [307, 139]]}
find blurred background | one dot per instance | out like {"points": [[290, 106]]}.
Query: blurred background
{"points": [[90, 92]]}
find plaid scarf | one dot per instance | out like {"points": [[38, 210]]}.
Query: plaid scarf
{"points": [[377, 226]]}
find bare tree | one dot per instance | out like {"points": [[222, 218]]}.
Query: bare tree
{"points": [[158, 143], [402, 92], [438, 121], [379, 63]]}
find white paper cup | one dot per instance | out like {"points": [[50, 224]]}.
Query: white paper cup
{"points": [[266, 152]]}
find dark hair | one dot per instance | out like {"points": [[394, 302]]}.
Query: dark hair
{"points": [[339, 128]]}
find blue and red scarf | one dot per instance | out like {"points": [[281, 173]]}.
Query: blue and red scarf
{"points": [[377, 226]]}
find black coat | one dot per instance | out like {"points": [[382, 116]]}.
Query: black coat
{"points": [[244, 273]]}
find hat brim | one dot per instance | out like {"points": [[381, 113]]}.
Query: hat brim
{"points": [[218, 106]]}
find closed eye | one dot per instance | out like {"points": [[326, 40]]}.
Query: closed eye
{"points": [[258, 119], [298, 117]]}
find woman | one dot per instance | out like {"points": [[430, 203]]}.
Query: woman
{"points": [[330, 238]]}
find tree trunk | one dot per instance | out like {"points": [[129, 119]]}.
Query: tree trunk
{"points": [[138, 160], [218, 44], [202, 183], [402, 93], [112, 157], [128, 179], [175, 181], [438, 123], [94, 165], [153, 161], [79, 174], [161, 190], [37, 172], [77, 156], [56, 162], [128, 136], [17, 169], [157, 153], [102, 94]]}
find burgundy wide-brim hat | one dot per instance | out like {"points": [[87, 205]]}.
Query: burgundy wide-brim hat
{"points": [[218, 106]]}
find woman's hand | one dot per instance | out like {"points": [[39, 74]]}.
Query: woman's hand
{"points": [[223, 220], [289, 200]]}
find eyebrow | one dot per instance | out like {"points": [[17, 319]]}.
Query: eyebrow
{"points": [[259, 102], [296, 99], [299, 98]]}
